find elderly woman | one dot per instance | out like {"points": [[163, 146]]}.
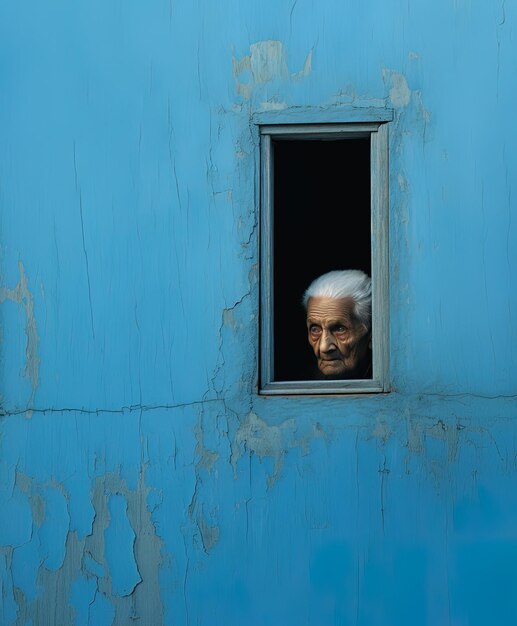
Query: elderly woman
{"points": [[339, 313]]}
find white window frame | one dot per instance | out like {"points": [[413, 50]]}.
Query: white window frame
{"points": [[378, 133]]}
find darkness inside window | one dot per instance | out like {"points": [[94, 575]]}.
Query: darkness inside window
{"points": [[321, 223]]}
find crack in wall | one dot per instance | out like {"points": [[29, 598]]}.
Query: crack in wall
{"points": [[204, 401]]}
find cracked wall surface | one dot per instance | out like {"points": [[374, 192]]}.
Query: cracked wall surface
{"points": [[143, 478]]}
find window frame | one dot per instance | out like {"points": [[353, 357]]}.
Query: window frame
{"points": [[378, 131]]}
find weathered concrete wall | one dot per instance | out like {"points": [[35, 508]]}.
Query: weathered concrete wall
{"points": [[143, 479]]}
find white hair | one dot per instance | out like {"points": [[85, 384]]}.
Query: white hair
{"points": [[353, 284]]}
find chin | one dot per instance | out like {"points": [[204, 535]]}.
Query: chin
{"points": [[337, 371], [334, 371]]}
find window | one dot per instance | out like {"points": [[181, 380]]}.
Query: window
{"points": [[324, 207]]}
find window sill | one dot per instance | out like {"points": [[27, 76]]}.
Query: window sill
{"points": [[321, 387]]}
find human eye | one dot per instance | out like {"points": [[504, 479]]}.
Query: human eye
{"points": [[314, 329], [340, 328]]}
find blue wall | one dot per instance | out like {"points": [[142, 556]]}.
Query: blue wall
{"points": [[142, 476]]}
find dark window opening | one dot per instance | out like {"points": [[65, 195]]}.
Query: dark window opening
{"points": [[321, 222]]}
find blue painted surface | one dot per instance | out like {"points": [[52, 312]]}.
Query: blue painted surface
{"points": [[141, 475], [119, 539]]}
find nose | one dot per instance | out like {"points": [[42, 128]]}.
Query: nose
{"points": [[327, 342]]}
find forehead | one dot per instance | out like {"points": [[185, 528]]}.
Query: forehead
{"points": [[323, 308]]}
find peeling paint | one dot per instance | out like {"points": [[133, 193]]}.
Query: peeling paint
{"points": [[349, 96], [400, 94], [26, 485], [266, 62], [54, 529], [414, 439], [402, 182], [209, 533], [125, 576], [449, 433], [255, 436], [229, 318], [7, 604], [205, 462], [273, 105], [418, 433], [144, 602], [206, 458], [382, 431], [93, 567], [16, 529], [154, 484], [316, 432], [306, 69], [22, 296]]}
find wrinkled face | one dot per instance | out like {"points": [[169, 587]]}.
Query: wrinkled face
{"points": [[339, 341]]}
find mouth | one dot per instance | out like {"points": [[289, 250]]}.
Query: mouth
{"points": [[329, 362]]}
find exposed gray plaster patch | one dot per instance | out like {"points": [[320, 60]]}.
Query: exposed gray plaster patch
{"points": [[400, 94], [382, 431], [241, 65], [257, 437], [418, 432], [51, 606], [229, 318], [86, 558], [23, 482], [22, 616], [206, 458], [209, 534], [37, 504], [145, 602], [38, 509], [92, 566], [317, 432], [266, 62], [7, 602], [348, 96], [424, 113], [414, 438], [273, 105], [22, 296], [403, 182], [448, 433]]}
